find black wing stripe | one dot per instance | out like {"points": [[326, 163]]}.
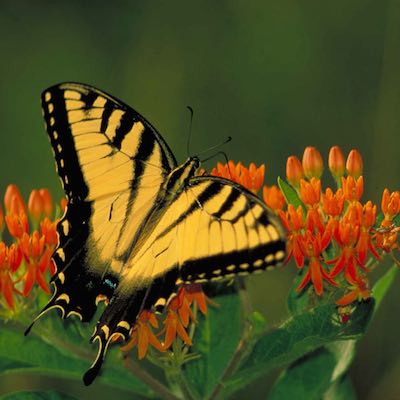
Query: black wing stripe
{"points": [[108, 109], [145, 150], [227, 204], [63, 144], [192, 268], [125, 125], [208, 193]]}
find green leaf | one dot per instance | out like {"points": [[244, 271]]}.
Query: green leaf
{"points": [[215, 341], [6, 364], [337, 357], [290, 194], [258, 324], [297, 302], [297, 337], [344, 352], [341, 390], [306, 379], [34, 354], [382, 286], [48, 395], [313, 375]]}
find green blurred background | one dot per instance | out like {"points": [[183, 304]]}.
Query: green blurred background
{"points": [[276, 76]]}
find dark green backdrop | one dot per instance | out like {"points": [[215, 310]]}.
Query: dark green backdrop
{"points": [[276, 76]]}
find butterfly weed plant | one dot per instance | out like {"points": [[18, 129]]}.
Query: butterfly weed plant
{"points": [[210, 342]]}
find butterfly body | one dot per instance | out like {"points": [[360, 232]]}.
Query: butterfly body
{"points": [[137, 225]]}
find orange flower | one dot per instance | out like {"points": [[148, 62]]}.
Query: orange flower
{"points": [[178, 316], [333, 203], [7, 284], [174, 327], [312, 247], [273, 197], [251, 178], [294, 171], [143, 336], [347, 236], [14, 257], [17, 224], [37, 261], [310, 192], [293, 221], [386, 237], [336, 162], [354, 164], [390, 204], [365, 240], [352, 188], [312, 163], [359, 290], [48, 230], [195, 295]]}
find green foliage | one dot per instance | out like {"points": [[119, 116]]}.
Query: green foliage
{"points": [[290, 194], [215, 341], [232, 350], [382, 286], [297, 337], [45, 355], [51, 395]]}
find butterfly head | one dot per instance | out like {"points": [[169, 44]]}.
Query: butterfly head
{"points": [[179, 177]]}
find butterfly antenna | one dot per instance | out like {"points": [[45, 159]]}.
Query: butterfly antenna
{"points": [[222, 153], [190, 129], [227, 140]]}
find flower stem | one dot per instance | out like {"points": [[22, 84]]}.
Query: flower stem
{"points": [[154, 384], [243, 344]]}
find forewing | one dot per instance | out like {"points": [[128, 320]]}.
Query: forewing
{"points": [[111, 162]]}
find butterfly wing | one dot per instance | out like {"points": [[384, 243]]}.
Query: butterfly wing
{"points": [[111, 162], [214, 229]]}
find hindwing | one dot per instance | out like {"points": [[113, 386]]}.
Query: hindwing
{"points": [[214, 229]]}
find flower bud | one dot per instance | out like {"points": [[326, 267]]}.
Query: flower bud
{"points": [[47, 202], [336, 162], [354, 164], [35, 205], [13, 201], [312, 163], [294, 171], [1, 218]]}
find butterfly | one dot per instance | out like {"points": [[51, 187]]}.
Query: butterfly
{"points": [[138, 225]]}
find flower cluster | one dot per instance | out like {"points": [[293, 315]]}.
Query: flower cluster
{"points": [[252, 178], [176, 321], [27, 245], [332, 235]]}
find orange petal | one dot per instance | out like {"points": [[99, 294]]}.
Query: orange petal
{"points": [[143, 340]]}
